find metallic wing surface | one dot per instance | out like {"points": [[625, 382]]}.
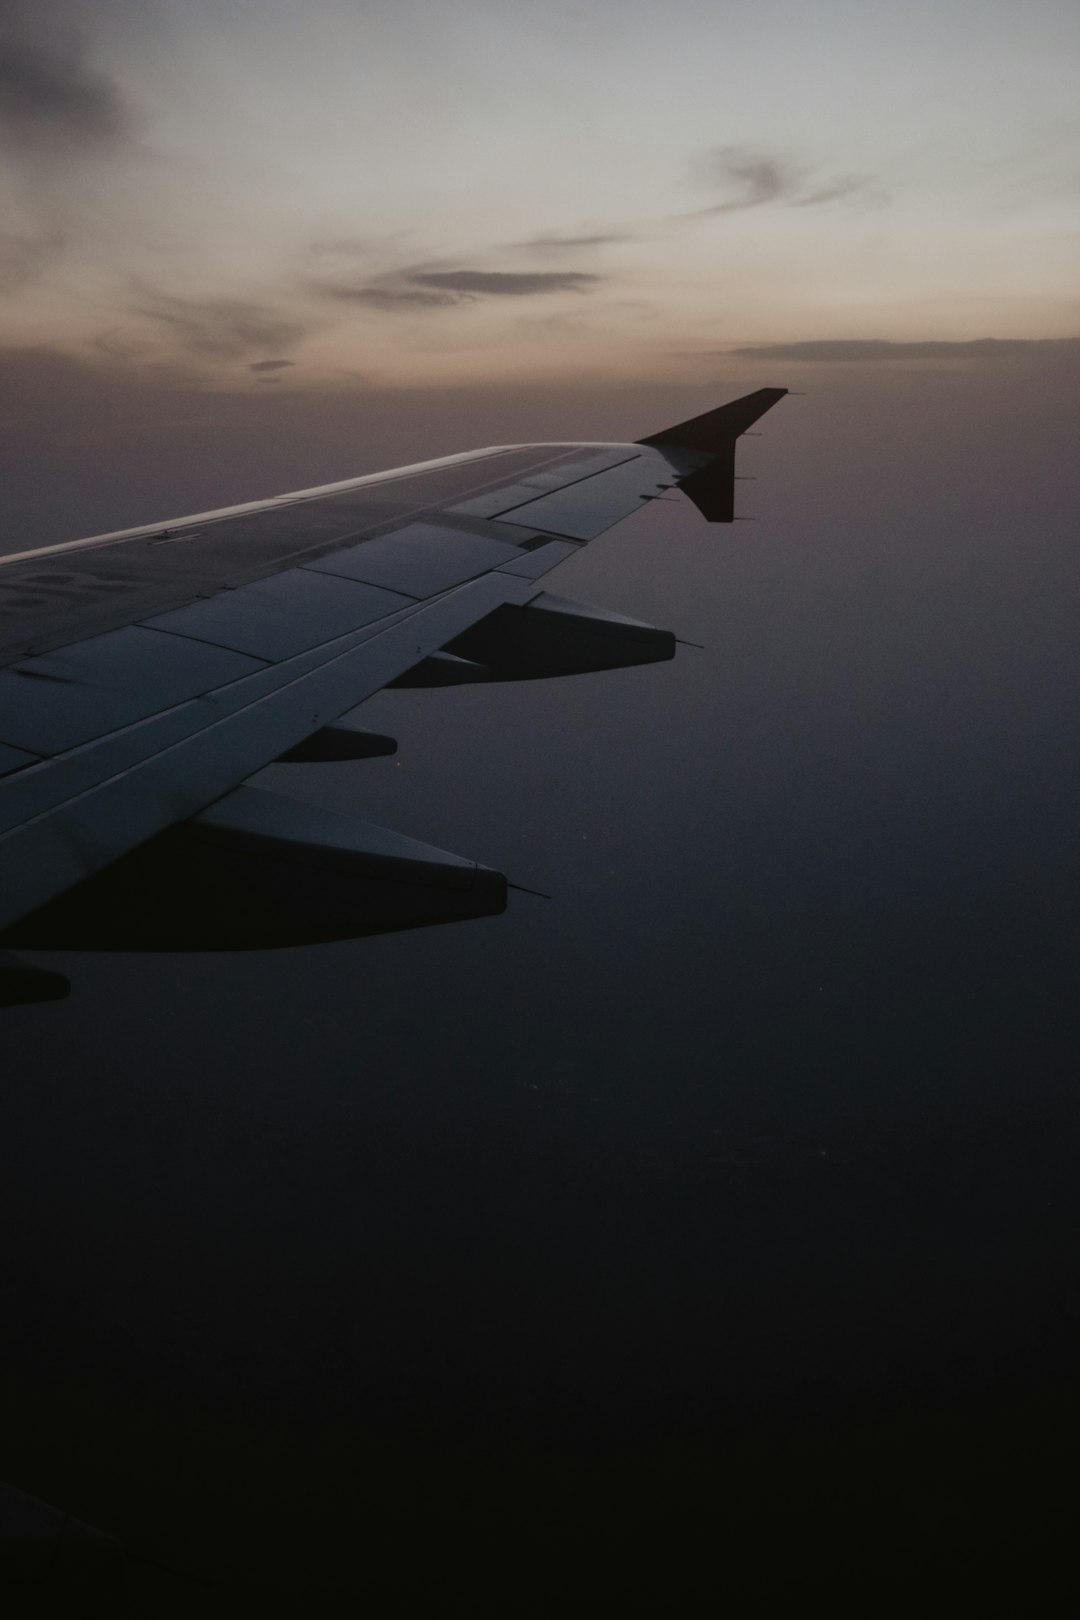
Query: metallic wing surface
{"points": [[146, 674]]}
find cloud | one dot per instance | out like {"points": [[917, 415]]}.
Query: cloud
{"points": [[418, 289], [753, 177], [270, 365], [845, 185], [829, 349], [345, 247], [337, 259], [399, 300], [557, 244], [51, 100], [58, 114], [504, 283], [221, 328], [24, 258]]}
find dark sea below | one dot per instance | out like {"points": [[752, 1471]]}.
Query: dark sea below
{"points": [[702, 1239]]}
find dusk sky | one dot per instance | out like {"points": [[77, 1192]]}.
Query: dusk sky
{"points": [[352, 193]]}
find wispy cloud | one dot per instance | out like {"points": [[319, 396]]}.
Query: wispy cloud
{"points": [[59, 115], [270, 365], [561, 244], [51, 100], [24, 258], [753, 177], [830, 349], [750, 177], [221, 328], [341, 247], [845, 188], [393, 300]]}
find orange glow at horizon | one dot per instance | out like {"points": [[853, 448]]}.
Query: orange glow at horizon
{"points": [[452, 195]]}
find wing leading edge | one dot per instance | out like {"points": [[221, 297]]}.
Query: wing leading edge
{"points": [[145, 675]]}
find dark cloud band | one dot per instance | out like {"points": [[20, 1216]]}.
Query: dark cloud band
{"points": [[505, 283], [400, 300], [417, 290], [830, 349]]}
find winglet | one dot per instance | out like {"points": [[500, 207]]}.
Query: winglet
{"points": [[711, 486]]}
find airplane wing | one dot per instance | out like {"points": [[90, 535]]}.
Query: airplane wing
{"points": [[146, 674]]}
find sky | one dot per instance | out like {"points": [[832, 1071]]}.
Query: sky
{"points": [[256, 196]]}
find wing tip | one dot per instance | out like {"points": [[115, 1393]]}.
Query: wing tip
{"points": [[713, 429]]}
